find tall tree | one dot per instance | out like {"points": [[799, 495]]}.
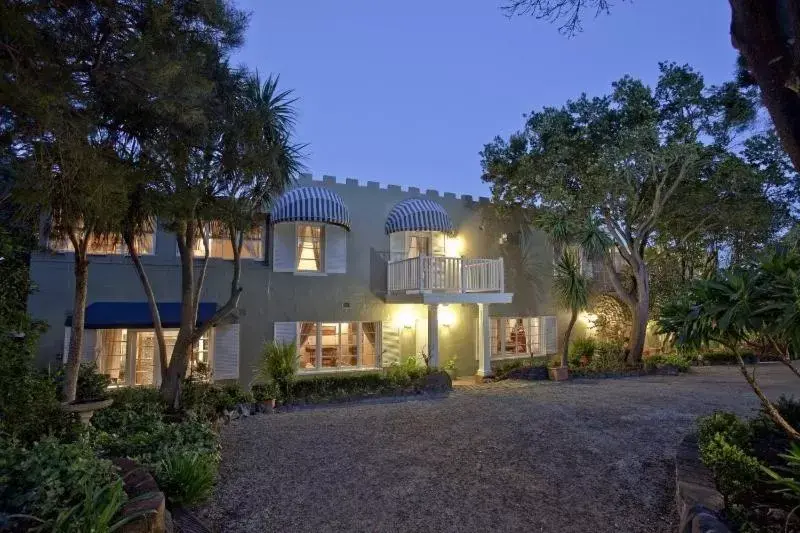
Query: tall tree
{"points": [[240, 159], [765, 32], [87, 84], [620, 161], [54, 56]]}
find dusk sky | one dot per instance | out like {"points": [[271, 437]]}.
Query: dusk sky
{"points": [[409, 92]]}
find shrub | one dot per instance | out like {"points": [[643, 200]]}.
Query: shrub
{"points": [[263, 392], [504, 368], [789, 408], [735, 471], [29, 406], [92, 385], [581, 347], [673, 359], [608, 357], [279, 366], [148, 440], [451, 368], [48, 477], [396, 378], [734, 430], [186, 477], [134, 410], [341, 385], [99, 512], [236, 394]]}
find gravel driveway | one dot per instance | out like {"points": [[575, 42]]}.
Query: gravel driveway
{"points": [[585, 455]]}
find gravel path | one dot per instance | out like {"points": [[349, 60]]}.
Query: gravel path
{"points": [[585, 455]]}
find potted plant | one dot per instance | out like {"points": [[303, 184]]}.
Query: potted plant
{"points": [[91, 394], [264, 396], [556, 371]]}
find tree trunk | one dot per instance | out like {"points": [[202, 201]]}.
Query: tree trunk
{"points": [[176, 371], [151, 302], [766, 36], [78, 319], [769, 407], [567, 335], [640, 312]]}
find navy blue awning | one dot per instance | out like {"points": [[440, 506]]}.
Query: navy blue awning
{"points": [[106, 315], [311, 204], [418, 214]]}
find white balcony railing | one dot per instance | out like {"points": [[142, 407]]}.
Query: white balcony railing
{"points": [[446, 274]]}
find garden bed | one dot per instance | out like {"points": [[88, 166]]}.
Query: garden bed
{"points": [[754, 466]]}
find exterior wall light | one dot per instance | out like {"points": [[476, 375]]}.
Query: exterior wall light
{"points": [[447, 317], [405, 319], [453, 246]]}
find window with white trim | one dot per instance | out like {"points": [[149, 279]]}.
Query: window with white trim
{"points": [[325, 346], [517, 337], [310, 248], [130, 356]]}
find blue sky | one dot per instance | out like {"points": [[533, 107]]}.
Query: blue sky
{"points": [[409, 92]]}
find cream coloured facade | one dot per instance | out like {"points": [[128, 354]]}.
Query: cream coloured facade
{"points": [[358, 275]]}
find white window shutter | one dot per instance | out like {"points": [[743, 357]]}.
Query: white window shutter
{"points": [[390, 343], [437, 243], [284, 247], [226, 352], [335, 249], [550, 334], [397, 246], [285, 332], [89, 345], [67, 337]]}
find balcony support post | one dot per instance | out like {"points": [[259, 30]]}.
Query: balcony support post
{"points": [[484, 342], [433, 335]]}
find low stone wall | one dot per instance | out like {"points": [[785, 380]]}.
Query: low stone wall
{"points": [[137, 482], [698, 500]]}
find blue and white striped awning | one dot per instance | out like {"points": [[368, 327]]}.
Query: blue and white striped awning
{"points": [[311, 204], [418, 214]]}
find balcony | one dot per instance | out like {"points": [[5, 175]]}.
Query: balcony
{"points": [[449, 275]]}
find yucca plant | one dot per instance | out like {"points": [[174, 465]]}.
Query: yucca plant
{"points": [[279, 367], [572, 292]]}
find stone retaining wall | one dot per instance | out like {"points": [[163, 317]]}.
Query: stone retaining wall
{"points": [[137, 482]]}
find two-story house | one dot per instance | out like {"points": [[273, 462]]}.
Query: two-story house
{"points": [[359, 277]]}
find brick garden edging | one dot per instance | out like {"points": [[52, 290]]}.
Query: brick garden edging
{"points": [[136, 482], [698, 500]]}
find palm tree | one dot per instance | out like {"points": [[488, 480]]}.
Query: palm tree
{"points": [[572, 292]]}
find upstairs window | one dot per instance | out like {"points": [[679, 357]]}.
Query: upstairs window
{"points": [[310, 248], [220, 246], [109, 245]]}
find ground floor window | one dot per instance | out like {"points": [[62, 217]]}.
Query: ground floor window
{"points": [[517, 337], [130, 356], [337, 345]]}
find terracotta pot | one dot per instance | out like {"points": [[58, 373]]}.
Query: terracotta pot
{"points": [[558, 373]]}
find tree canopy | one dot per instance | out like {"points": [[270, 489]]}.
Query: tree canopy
{"points": [[642, 166], [115, 113]]}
